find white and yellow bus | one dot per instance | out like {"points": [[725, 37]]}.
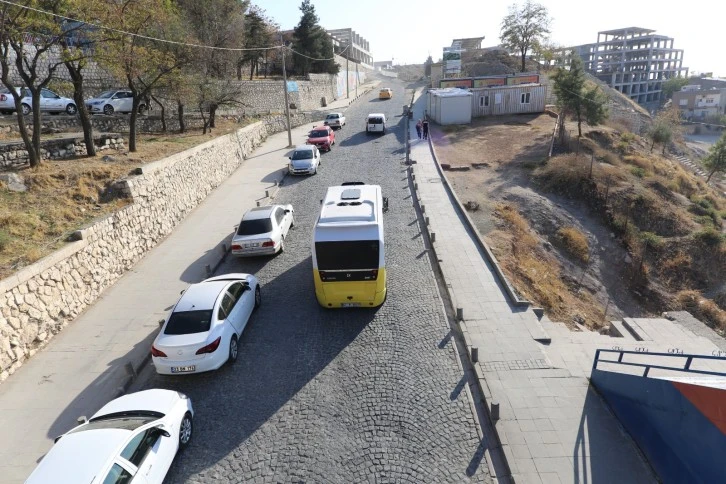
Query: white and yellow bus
{"points": [[349, 264]]}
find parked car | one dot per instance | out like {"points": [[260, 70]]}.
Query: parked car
{"points": [[385, 93], [376, 123], [203, 329], [334, 120], [323, 137], [110, 102], [7, 103], [132, 439], [50, 102], [305, 160], [263, 230]]}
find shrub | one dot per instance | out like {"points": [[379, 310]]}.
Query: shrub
{"points": [[4, 240], [636, 171], [705, 220], [709, 236], [650, 239], [574, 242], [627, 137], [702, 308]]}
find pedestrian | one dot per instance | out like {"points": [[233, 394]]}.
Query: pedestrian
{"points": [[419, 127], [425, 125]]}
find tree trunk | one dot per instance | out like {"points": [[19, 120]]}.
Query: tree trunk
{"points": [[34, 154], [212, 114], [239, 70], [163, 114], [252, 70], [132, 123], [710, 175], [78, 97], [180, 115], [524, 58], [652, 145], [24, 134], [204, 119]]}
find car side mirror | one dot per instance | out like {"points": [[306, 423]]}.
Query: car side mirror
{"points": [[82, 420], [289, 158], [182, 291], [287, 211], [57, 438], [161, 322], [162, 431]]}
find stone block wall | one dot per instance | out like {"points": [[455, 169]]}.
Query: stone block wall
{"points": [[40, 300], [13, 155]]}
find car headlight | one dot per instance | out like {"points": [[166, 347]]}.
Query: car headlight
{"points": [[182, 396], [96, 102]]}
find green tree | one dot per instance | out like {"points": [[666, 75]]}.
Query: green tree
{"points": [[672, 85], [312, 43], [130, 55], [666, 128], [259, 33], [524, 28], [574, 100], [715, 161], [427, 66]]}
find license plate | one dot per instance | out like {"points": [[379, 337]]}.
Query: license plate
{"points": [[251, 245], [183, 369], [350, 305]]}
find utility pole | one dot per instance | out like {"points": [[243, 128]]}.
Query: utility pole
{"points": [[357, 80], [287, 101], [347, 77]]}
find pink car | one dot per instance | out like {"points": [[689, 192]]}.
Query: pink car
{"points": [[323, 137]]}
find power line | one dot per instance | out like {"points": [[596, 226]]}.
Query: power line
{"points": [[316, 59], [141, 36]]}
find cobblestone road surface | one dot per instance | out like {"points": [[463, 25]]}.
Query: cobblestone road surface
{"points": [[344, 395]]}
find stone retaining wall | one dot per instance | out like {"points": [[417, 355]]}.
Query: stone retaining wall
{"points": [[14, 154], [43, 298]]}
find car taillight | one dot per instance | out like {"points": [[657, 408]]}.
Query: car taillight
{"points": [[3, 97], [210, 348], [156, 352], [236, 247], [374, 273], [269, 243]]}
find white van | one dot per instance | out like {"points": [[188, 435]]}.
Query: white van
{"points": [[376, 123]]}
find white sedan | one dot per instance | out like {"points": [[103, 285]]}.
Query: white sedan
{"points": [[132, 439], [49, 102], [203, 329], [263, 230]]}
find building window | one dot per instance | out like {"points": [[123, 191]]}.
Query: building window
{"points": [[525, 98], [683, 102], [484, 101]]}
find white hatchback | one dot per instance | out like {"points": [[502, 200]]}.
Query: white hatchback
{"points": [[263, 230], [202, 331], [132, 439]]}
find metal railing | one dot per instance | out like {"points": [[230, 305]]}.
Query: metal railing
{"points": [[685, 367]]}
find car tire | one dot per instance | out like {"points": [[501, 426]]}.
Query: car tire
{"points": [[258, 297], [25, 109], [233, 349], [315, 171], [108, 110], [186, 429], [282, 240], [292, 222], [71, 109]]}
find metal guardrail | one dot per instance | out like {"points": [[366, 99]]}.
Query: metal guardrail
{"points": [[685, 367]]}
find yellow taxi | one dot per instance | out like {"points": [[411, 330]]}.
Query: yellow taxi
{"points": [[385, 93]]}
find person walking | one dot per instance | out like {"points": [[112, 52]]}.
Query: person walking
{"points": [[419, 127], [425, 125]]}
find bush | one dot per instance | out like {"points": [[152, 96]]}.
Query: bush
{"points": [[627, 137], [650, 239], [622, 146], [4, 240], [709, 236], [574, 242], [702, 308], [636, 171]]}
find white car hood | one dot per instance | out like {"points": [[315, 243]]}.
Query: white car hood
{"points": [[155, 400]]}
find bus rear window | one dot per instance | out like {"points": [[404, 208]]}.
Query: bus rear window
{"points": [[347, 255]]}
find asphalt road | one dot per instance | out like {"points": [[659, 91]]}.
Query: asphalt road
{"points": [[338, 395]]}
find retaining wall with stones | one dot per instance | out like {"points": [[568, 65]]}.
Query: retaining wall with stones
{"points": [[13, 155], [40, 300]]}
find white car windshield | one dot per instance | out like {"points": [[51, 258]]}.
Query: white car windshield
{"points": [[332, 116], [189, 322], [304, 154], [255, 227]]}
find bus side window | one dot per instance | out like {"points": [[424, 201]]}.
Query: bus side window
{"points": [[385, 204]]}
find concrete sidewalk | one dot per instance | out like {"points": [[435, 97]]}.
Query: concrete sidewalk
{"points": [[552, 426], [95, 358]]}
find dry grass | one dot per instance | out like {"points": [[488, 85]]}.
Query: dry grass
{"points": [[704, 309], [574, 242], [537, 274], [65, 195]]}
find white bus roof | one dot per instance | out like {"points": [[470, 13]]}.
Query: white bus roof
{"points": [[351, 205]]}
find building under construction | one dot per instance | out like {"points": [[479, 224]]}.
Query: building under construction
{"points": [[352, 46], [635, 61]]}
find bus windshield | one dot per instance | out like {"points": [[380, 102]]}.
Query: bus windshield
{"points": [[347, 255]]}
